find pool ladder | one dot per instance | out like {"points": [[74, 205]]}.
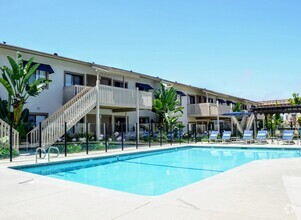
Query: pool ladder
{"points": [[45, 152]]}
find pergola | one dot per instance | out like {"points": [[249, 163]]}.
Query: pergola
{"points": [[274, 109]]}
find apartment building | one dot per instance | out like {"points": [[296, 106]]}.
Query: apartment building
{"points": [[122, 97]]}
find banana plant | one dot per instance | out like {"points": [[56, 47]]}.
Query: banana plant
{"points": [[16, 82], [167, 107]]}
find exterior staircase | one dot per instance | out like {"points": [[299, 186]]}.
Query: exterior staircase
{"points": [[250, 121], [5, 132], [238, 125], [54, 126], [243, 122]]}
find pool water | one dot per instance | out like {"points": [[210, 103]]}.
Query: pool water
{"points": [[159, 172]]}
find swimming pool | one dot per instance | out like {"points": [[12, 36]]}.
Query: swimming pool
{"points": [[157, 172]]}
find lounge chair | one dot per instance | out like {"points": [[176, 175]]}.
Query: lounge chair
{"points": [[213, 136], [248, 136], [262, 136], [226, 136], [287, 137]]}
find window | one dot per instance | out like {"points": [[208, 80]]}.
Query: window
{"points": [[192, 99], [144, 120], [35, 118], [72, 79], [120, 84], [105, 81], [210, 100], [179, 98], [39, 74]]}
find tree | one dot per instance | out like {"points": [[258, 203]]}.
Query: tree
{"points": [[17, 83], [295, 100], [273, 121], [237, 107], [166, 106]]}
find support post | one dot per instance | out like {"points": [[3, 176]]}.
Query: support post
{"points": [[11, 142], [137, 136], [87, 139], [188, 133], [255, 124], [218, 127], [122, 146], [195, 133], [97, 108], [40, 141], [138, 116], [160, 134], [171, 137], [106, 137], [65, 138], [149, 134]]}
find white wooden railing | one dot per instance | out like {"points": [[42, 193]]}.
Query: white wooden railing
{"points": [[207, 109], [5, 132], [114, 96], [71, 91], [53, 126], [125, 98], [80, 105]]}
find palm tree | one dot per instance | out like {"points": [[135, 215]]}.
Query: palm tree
{"points": [[17, 84], [237, 107], [166, 106], [295, 100]]}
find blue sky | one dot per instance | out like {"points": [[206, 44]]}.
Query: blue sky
{"points": [[247, 48]]}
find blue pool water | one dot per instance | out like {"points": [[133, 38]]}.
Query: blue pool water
{"points": [[159, 172]]}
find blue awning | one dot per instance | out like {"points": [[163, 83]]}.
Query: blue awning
{"points": [[143, 86], [237, 113], [43, 67], [230, 102], [181, 93]]}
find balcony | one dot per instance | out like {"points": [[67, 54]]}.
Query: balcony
{"points": [[206, 110], [114, 97]]}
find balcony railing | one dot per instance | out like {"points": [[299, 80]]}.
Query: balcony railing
{"points": [[114, 97], [207, 109]]}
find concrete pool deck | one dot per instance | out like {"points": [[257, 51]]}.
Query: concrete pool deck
{"points": [[265, 189]]}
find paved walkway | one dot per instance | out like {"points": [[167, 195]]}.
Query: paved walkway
{"points": [[266, 189]]}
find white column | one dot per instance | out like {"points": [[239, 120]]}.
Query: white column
{"points": [[137, 111], [218, 128], [113, 123], [97, 108]]}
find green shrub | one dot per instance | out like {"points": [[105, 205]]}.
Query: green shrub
{"points": [[99, 146], [4, 152], [71, 148]]}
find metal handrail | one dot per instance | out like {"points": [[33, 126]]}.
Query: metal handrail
{"points": [[42, 151], [58, 152]]}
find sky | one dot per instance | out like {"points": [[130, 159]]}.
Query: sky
{"points": [[245, 48]]}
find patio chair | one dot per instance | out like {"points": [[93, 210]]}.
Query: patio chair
{"points": [[226, 136], [262, 136], [248, 136], [213, 136], [287, 137]]}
